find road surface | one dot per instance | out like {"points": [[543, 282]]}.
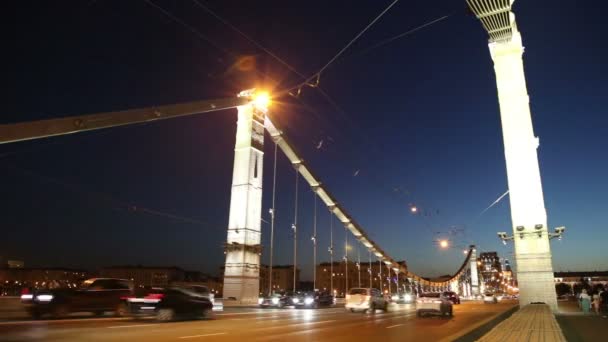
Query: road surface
{"points": [[248, 324]]}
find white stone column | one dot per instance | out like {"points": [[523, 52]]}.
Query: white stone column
{"points": [[474, 275], [528, 214], [243, 249]]}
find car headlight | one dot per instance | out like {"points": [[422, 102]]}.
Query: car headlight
{"points": [[295, 300], [27, 296], [308, 300], [260, 300], [407, 297], [275, 300], [395, 297], [44, 298]]}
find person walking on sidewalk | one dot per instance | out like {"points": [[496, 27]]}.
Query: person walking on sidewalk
{"points": [[596, 302], [585, 301], [604, 303]]}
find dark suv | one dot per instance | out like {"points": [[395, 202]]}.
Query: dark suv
{"points": [[313, 299], [452, 297], [96, 295]]}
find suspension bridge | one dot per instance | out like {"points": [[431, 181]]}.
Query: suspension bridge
{"points": [[243, 247]]}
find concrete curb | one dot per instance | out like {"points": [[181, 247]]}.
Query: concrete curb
{"points": [[476, 331]]}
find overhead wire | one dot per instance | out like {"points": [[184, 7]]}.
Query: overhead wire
{"points": [[121, 204]]}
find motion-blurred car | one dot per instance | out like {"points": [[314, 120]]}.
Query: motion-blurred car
{"points": [[433, 303], [403, 298], [218, 304], [96, 295], [171, 303], [452, 296], [310, 299], [277, 300], [489, 298], [365, 299]]}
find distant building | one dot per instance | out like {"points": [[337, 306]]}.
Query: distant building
{"points": [[590, 277], [358, 275], [491, 270], [12, 280], [282, 278], [145, 275]]}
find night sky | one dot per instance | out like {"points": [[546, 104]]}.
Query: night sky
{"points": [[411, 123]]}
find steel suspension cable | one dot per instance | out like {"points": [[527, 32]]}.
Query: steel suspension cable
{"points": [[331, 253], [272, 215], [346, 260], [294, 226], [314, 245]]}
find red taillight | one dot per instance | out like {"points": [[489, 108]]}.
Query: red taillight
{"points": [[126, 297], [25, 290], [155, 296]]}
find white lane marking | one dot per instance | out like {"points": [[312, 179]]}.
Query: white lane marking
{"points": [[130, 326], [294, 325], [195, 336], [70, 320], [394, 326]]}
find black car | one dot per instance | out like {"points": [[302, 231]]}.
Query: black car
{"points": [[96, 295], [277, 300], [170, 303], [452, 297], [312, 299]]}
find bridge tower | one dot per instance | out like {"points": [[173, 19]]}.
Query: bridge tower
{"points": [[243, 248], [528, 214]]}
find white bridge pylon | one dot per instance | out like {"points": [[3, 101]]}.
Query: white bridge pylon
{"points": [[240, 279]]}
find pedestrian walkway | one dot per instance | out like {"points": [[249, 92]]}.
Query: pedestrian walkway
{"points": [[534, 322]]}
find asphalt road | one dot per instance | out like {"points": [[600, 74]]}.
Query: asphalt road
{"points": [[329, 324]]}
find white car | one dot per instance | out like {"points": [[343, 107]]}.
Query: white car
{"points": [[434, 303], [489, 298], [365, 299]]}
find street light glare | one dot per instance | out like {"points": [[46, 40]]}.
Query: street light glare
{"points": [[414, 210], [261, 99], [443, 243]]}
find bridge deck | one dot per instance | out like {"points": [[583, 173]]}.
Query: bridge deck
{"points": [[534, 322]]}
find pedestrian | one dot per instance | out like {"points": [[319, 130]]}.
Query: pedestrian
{"points": [[596, 302], [604, 303], [585, 301]]}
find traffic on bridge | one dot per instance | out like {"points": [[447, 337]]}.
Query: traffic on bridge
{"points": [[134, 219]]}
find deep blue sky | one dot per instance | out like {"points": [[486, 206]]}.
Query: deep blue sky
{"points": [[418, 118]]}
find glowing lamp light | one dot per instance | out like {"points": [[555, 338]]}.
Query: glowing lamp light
{"points": [[261, 99], [413, 210], [443, 243]]}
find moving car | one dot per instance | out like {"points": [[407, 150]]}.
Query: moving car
{"points": [[310, 299], [96, 295], [452, 296], [433, 303], [170, 303], [277, 300], [403, 298], [218, 304], [489, 298], [365, 299]]}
